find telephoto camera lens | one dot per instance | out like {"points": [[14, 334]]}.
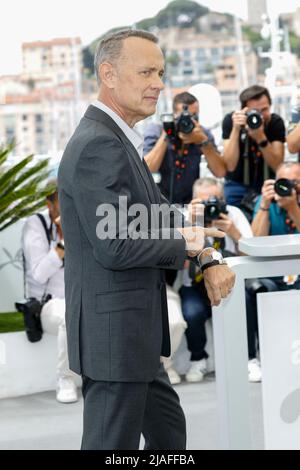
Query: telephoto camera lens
{"points": [[284, 187], [185, 123], [254, 119]]}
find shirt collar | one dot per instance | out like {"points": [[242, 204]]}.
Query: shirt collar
{"points": [[131, 133]]}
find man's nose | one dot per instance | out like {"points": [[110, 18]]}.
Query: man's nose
{"points": [[158, 84]]}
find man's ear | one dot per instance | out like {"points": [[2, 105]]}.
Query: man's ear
{"points": [[107, 74]]}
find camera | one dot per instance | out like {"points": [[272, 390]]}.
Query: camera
{"points": [[31, 309], [213, 207], [284, 187], [254, 119], [184, 123]]}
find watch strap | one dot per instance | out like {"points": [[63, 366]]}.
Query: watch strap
{"points": [[211, 264]]}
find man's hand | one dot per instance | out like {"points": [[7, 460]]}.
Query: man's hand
{"points": [[195, 238], [197, 136], [226, 224], [289, 203], [268, 193], [239, 118], [58, 227], [219, 281]]}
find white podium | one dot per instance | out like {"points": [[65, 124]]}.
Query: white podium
{"points": [[269, 257], [279, 333]]}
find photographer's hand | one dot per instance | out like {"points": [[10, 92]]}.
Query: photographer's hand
{"points": [[289, 203], [197, 136], [239, 119], [268, 194], [226, 224], [57, 222]]}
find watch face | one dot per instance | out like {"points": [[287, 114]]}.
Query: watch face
{"points": [[216, 256]]}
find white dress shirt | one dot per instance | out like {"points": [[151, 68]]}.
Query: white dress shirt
{"points": [[131, 133], [44, 272]]}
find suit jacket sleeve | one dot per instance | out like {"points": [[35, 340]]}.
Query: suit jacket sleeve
{"points": [[101, 177]]}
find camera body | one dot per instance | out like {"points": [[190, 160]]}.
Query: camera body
{"points": [[31, 309], [213, 207], [254, 119], [284, 187], [184, 123]]}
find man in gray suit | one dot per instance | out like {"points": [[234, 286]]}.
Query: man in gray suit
{"points": [[116, 307]]}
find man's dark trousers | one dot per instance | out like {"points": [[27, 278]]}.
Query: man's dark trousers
{"points": [[112, 420]]}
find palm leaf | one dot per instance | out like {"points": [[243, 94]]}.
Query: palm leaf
{"points": [[10, 175], [26, 190], [25, 175], [20, 187]]}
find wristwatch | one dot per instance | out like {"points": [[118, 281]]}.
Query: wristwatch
{"points": [[213, 258], [263, 143]]}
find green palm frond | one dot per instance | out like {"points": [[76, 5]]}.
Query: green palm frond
{"points": [[22, 190], [38, 167], [11, 174]]}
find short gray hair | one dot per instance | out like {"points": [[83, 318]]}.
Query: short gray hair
{"points": [[109, 48], [207, 182]]}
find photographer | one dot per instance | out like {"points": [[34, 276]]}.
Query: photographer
{"points": [[253, 147], [208, 200], [277, 212], [178, 158], [43, 250]]}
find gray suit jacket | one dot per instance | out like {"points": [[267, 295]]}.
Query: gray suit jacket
{"points": [[116, 306]]}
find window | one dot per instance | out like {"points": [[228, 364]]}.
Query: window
{"points": [[201, 53], [38, 118], [186, 53], [24, 117], [229, 50]]}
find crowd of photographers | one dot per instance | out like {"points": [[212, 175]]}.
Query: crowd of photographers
{"points": [[253, 193], [257, 196]]}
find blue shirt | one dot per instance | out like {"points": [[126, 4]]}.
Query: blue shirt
{"points": [[277, 218], [184, 178]]}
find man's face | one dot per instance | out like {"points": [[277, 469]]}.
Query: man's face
{"points": [[262, 105], [53, 207], [138, 79], [193, 109], [205, 192]]}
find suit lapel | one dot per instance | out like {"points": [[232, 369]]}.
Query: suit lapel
{"points": [[98, 115]]}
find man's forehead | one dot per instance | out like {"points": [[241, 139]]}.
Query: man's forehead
{"points": [[289, 171], [262, 101], [140, 45]]}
